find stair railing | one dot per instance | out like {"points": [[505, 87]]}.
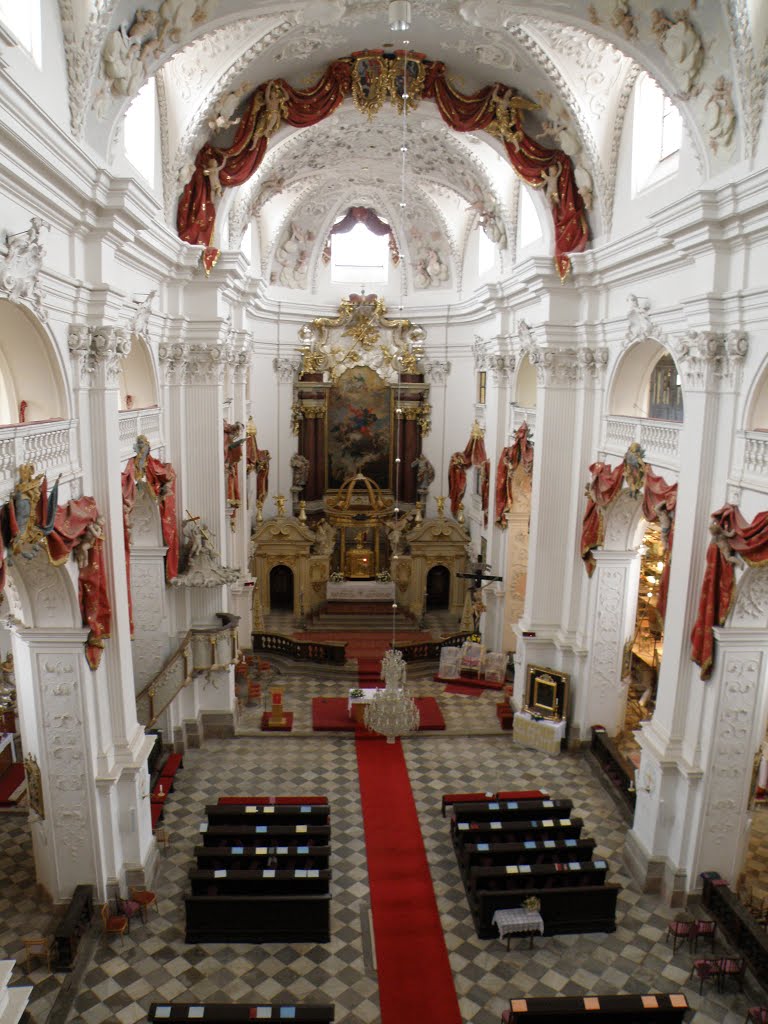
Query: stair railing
{"points": [[210, 649]]}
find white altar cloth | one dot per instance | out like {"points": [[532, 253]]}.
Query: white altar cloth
{"points": [[360, 590]]}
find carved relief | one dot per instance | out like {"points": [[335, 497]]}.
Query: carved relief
{"points": [[681, 44], [21, 260], [751, 604], [608, 635], [720, 114]]}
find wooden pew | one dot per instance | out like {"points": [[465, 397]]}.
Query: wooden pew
{"points": [[571, 910], [273, 800], [270, 881], [510, 810], [511, 877], [240, 1013], [261, 918], [259, 857], [275, 835], [532, 852], [654, 1008], [71, 927], [267, 814], [515, 831], [513, 794]]}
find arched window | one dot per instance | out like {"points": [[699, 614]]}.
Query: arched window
{"points": [[359, 257], [657, 131], [486, 253], [529, 225], [140, 130], [23, 20], [665, 396]]}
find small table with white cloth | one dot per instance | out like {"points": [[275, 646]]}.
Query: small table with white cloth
{"points": [[539, 733], [518, 921]]}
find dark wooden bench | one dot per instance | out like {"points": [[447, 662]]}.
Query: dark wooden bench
{"points": [[512, 794], [510, 810], [273, 800], [267, 814], [269, 835], [532, 852], [654, 1008], [261, 918], [270, 881], [515, 831], [567, 911], [72, 926], [259, 857], [240, 1013], [536, 876]]}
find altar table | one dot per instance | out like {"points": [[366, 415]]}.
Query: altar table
{"points": [[540, 734], [360, 590]]}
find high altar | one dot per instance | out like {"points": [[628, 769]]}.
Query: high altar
{"points": [[361, 409]]}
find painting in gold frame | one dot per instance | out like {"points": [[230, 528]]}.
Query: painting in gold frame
{"points": [[546, 693]]}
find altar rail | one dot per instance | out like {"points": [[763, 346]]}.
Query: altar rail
{"points": [[742, 929], [200, 650], [332, 651], [422, 650]]}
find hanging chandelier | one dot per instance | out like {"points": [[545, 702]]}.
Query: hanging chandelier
{"points": [[392, 712]]}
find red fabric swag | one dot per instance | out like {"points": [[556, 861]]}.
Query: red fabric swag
{"points": [[603, 487], [750, 540]]}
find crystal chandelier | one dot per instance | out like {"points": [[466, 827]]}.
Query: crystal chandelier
{"points": [[392, 712]]}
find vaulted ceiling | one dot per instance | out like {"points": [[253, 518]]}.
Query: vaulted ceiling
{"points": [[575, 59]]}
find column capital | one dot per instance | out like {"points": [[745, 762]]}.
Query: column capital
{"points": [[286, 370], [435, 370], [173, 359], [99, 350], [204, 364], [706, 358]]}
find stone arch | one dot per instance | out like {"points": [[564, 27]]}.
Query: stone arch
{"points": [[281, 587], [43, 596], [30, 368], [438, 587], [525, 383], [628, 387], [624, 523], [756, 406], [138, 377]]}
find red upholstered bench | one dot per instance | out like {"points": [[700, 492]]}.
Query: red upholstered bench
{"points": [[464, 798], [522, 794]]}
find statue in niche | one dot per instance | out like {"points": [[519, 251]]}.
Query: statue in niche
{"points": [[425, 472], [300, 469], [325, 539]]}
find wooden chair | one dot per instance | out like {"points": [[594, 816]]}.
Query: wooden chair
{"points": [[37, 946], [114, 923], [706, 970], [145, 899], [680, 930], [703, 929], [733, 967]]}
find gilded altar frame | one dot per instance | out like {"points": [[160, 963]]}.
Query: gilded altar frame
{"points": [[546, 692]]}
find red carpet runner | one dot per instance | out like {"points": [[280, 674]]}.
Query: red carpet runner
{"points": [[415, 980]]}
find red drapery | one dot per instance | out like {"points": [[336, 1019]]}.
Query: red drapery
{"points": [[473, 455], [362, 215], [731, 533], [494, 108], [519, 453], [74, 523], [257, 461], [658, 497], [160, 478]]}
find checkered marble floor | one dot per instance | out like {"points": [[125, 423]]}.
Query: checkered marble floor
{"points": [[117, 979]]}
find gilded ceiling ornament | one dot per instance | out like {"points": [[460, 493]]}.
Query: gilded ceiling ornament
{"points": [[377, 78]]}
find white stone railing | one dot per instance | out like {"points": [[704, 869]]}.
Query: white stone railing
{"points": [[659, 438], [756, 454], [139, 421], [50, 445]]}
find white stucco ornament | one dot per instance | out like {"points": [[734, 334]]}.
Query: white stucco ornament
{"points": [[321, 12], [682, 46]]}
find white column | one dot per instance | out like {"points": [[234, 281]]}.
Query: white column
{"points": [[436, 375], [613, 595], [239, 538]]}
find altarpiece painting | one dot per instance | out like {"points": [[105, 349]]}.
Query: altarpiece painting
{"points": [[359, 427]]}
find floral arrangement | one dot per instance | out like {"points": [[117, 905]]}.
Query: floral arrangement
{"points": [[336, 577], [356, 693], [384, 576]]}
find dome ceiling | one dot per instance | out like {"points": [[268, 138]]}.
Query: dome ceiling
{"points": [[577, 61]]}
